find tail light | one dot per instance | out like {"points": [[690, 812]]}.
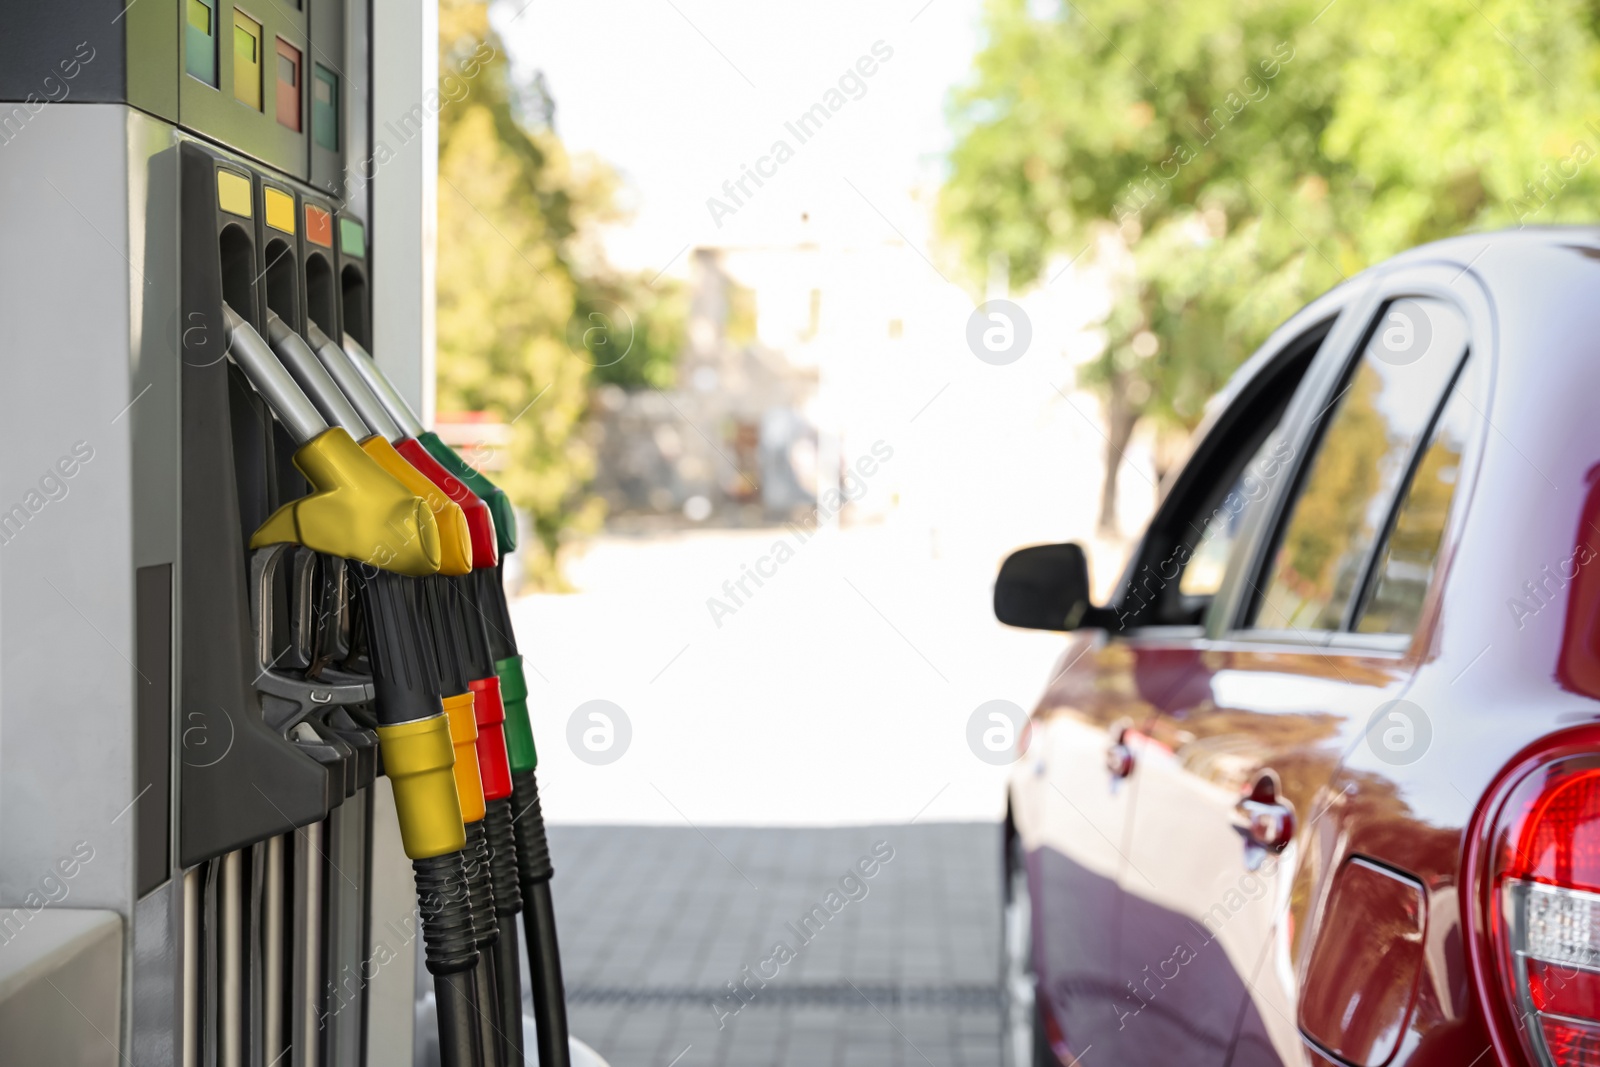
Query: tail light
{"points": [[1535, 867]]}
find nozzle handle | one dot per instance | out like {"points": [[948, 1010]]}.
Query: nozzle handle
{"points": [[287, 400], [308, 371], [379, 383], [404, 675], [343, 371]]}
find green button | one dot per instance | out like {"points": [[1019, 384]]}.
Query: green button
{"points": [[352, 238]]}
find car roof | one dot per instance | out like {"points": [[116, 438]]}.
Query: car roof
{"points": [[1471, 247], [1534, 248]]}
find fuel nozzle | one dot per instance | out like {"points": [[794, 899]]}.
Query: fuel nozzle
{"points": [[343, 370], [503, 692], [355, 510], [360, 513], [340, 395], [329, 396]]}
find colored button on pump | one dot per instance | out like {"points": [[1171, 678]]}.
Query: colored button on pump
{"points": [[319, 226], [352, 238], [233, 193], [280, 209], [200, 41]]}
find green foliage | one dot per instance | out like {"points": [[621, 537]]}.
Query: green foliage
{"points": [[631, 332], [518, 276], [1251, 155]]}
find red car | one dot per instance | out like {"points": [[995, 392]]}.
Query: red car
{"points": [[1321, 783]]}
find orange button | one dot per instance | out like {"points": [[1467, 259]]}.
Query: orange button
{"points": [[319, 227]]}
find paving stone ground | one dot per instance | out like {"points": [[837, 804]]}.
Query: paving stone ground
{"points": [[897, 969]]}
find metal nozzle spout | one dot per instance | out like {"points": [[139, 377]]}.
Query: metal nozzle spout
{"points": [[380, 385], [341, 368], [289, 402], [308, 371]]}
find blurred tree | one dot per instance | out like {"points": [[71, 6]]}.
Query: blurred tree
{"points": [[519, 275], [1250, 156], [1333, 511], [631, 332]]}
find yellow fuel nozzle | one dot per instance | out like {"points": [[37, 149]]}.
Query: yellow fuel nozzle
{"points": [[356, 510], [340, 395]]}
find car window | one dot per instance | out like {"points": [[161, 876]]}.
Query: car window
{"points": [[1373, 427], [1401, 577], [1185, 549], [1209, 561]]}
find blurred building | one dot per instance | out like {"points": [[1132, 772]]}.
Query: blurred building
{"points": [[735, 441]]}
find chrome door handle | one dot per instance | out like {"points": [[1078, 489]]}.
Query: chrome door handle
{"points": [[1119, 755], [1266, 823], [1119, 760]]}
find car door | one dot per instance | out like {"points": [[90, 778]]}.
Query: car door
{"points": [[1072, 818], [1073, 799], [1231, 780], [1243, 452]]}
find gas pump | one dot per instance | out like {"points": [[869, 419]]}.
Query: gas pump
{"points": [[298, 668]]}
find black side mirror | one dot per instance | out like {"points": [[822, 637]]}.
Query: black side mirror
{"points": [[1045, 587]]}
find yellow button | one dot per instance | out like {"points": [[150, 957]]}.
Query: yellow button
{"points": [[280, 209], [233, 193]]}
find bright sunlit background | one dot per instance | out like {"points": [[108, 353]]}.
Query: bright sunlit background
{"points": [[699, 260], [826, 322], [783, 324]]}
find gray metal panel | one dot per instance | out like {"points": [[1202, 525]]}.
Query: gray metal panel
{"points": [[356, 121], [154, 997], [39, 37], [153, 421], [404, 201], [155, 48], [88, 289], [392, 942], [61, 990], [348, 966], [69, 276]]}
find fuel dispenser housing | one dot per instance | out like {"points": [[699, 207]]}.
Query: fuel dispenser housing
{"points": [[186, 727]]}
